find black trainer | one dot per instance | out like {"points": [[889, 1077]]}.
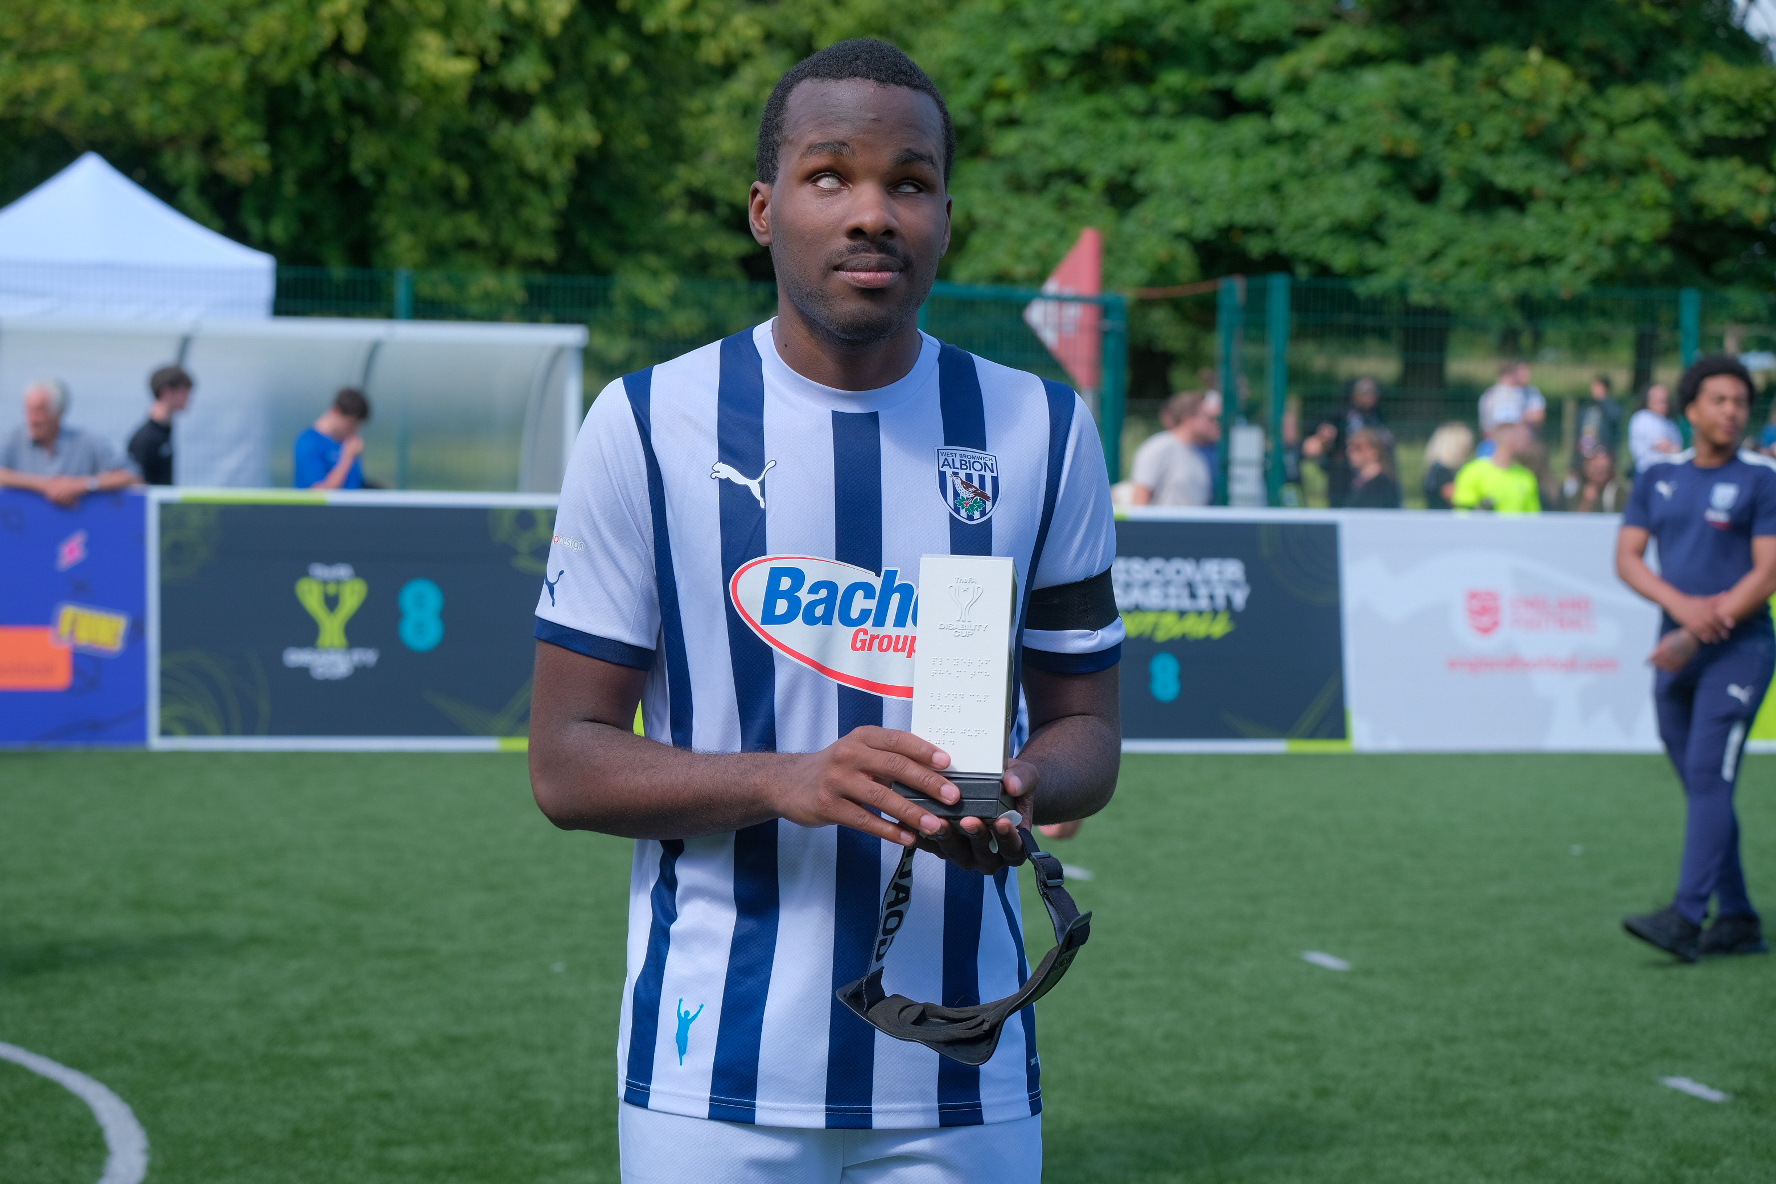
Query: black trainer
{"points": [[1668, 929], [1740, 934]]}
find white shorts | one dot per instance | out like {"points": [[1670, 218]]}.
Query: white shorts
{"points": [[672, 1149]]}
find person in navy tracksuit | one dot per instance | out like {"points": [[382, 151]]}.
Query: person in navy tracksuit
{"points": [[1713, 511]]}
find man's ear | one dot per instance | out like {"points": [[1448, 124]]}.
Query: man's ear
{"points": [[758, 213]]}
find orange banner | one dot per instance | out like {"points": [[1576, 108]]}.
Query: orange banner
{"points": [[30, 659]]}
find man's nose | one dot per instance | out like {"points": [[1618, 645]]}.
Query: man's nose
{"points": [[870, 214]]}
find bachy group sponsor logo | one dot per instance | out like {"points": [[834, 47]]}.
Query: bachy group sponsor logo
{"points": [[331, 593], [852, 625], [1165, 599]]}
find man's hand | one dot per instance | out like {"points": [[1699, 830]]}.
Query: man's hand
{"points": [[64, 491], [847, 783], [1702, 616], [351, 448], [969, 843], [1674, 650], [1322, 439]]}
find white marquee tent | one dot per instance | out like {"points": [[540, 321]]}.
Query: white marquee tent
{"points": [[90, 242], [454, 405]]}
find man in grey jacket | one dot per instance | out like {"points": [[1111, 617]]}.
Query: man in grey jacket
{"points": [[61, 462]]}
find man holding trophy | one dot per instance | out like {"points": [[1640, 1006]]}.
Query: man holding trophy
{"points": [[827, 816]]}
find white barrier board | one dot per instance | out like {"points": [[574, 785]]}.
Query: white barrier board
{"points": [[1476, 633]]}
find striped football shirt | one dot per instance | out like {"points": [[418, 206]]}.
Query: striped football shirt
{"points": [[752, 539]]}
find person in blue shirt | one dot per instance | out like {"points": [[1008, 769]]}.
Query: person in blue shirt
{"points": [[327, 453], [1713, 511]]}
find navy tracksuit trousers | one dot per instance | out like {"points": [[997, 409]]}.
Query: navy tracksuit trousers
{"points": [[1705, 712]]}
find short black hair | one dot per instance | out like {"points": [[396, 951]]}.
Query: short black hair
{"points": [[350, 402], [862, 57], [1702, 369], [169, 378]]}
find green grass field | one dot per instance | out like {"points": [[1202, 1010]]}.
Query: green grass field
{"points": [[391, 968]]}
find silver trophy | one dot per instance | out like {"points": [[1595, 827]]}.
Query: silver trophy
{"points": [[962, 693]]}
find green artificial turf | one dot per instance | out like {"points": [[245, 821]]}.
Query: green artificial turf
{"points": [[390, 968]]}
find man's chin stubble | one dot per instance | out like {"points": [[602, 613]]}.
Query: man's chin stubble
{"points": [[853, 327]]}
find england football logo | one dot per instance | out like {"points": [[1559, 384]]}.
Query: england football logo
{"points": [[968, 482]]}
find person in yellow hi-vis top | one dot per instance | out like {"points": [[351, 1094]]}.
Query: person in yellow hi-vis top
{"points": [[1499, 482]]}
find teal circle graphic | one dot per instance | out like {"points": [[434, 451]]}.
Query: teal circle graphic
{"points": [[1163, 677], [422, 625]]}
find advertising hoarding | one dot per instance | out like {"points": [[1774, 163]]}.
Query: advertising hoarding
{"points": [[73, 621], [1479, 633], [1234, 633], [373, 620]]}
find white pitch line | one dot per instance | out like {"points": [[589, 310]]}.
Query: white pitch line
{"points": [[1077, 873], [126, 1142], [1695, 1089], [1329, 961]]}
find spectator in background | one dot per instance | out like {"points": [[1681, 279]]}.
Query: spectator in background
{"points": [[1449, 448], [1652, 437], [1600, 426], [1211, 447], [1767, 437], [1499, 482], [1328, 444], [61, 462], [1596, 489], [1512, 399], [151, 448], [1373, 484], [1169, 469], [1533, 455], [327, 453]]}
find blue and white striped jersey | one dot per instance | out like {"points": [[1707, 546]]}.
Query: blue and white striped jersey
{"points": [[752, 540]]}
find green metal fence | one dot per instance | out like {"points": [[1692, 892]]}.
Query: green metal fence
{"points": [[634, 323], [1287, 349]]}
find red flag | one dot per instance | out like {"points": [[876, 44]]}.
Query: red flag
{"points": [[1073, 329]]}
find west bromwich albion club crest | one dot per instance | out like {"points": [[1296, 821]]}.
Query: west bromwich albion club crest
{"points": [[968, 481], [1720, 502]]}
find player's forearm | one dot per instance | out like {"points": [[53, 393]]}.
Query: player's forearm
{"points": [[1634, 572], [1077, 758], [1752, 592], [117, 479], [13, 479], [593, 776]]}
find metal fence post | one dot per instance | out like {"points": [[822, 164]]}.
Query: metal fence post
{"points": [[1689, 325], [403, 294], [1229, 315], [1113, 381], [1276, 326]]}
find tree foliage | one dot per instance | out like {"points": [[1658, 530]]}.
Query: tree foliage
{"points": [[443, 133], [1517, 145], [1520, 145]]}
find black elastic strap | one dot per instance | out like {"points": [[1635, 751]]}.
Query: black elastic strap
{"points": [[965, 1034]]}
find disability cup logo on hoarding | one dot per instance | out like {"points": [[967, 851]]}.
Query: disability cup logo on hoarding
{"points": [[330, 593], [968, 482]]}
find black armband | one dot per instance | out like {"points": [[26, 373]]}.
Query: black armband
{"points": [[1088, 604]]}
